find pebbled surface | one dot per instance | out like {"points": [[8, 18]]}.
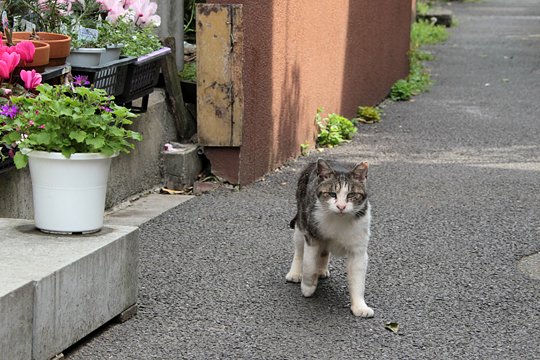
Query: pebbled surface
{"points": [[454, 177]]}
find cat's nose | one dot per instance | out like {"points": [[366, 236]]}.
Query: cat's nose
{"points": [[341, 207]]}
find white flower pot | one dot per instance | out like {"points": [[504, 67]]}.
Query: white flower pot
{"points": [[83, 57], [69, 194], [112, 53]]}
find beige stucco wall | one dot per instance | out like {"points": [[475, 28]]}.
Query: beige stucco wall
{"points": [[303, 54]]}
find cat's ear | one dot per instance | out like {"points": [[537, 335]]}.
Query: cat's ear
{"points": [[324, 171], [360, 171]]}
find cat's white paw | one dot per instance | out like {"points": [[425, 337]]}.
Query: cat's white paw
{"points": [[362, 311], [294, 277], [308, 291]]}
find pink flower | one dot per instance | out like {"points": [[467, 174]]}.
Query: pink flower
{"points": [[4, 70], [62, 7], [11, 60], [26, 50], [114, 8], [145, 12], [31, 79]]}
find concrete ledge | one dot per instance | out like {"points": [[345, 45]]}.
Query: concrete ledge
{"points": [[16, 304], [56, 289]]}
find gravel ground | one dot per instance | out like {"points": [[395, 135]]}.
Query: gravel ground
{"points": [[454, 178]]}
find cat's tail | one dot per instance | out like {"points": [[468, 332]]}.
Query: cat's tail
{"points": [[292, 224]]}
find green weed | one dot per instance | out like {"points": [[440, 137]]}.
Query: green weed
{"points": [[422, 8], [334, 129], [189, 72], [368, 114], [419, 79], [424, 32]]}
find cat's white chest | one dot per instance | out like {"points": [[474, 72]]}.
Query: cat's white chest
{"points": [[345, 233]]}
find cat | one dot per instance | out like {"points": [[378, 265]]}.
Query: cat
{"points": [[333, 216]]}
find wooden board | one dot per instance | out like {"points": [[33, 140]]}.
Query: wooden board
{"points": [[220, 98]]}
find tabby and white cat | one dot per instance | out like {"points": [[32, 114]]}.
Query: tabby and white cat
{"points": [[333, 216]]}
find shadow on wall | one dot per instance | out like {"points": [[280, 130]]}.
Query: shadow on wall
{"points": [[285, 142]]}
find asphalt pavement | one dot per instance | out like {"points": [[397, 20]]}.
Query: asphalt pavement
{"points": [[454, 182]]}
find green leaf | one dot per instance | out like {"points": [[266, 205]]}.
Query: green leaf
{"points": [[78, 136], [96, 142], [20, 160], [392, 326], [42, 138]]}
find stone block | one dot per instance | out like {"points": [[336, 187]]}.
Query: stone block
{"points": [[182, 165]]}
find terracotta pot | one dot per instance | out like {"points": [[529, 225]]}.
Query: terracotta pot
{"points": [[60, 45], [41, 56]]}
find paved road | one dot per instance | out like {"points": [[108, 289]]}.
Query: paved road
{"points": [[455, 178]]}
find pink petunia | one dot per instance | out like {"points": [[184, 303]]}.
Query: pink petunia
{"points": [[31, 79]]}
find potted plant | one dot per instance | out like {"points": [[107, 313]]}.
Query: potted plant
{"points": [[48, 17], [133, 23], [68, 135]]}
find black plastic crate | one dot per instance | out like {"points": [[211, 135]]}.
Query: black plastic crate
{"points": [[110, 77], [142, 76]]}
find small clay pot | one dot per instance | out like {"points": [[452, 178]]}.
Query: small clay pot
{"points": [[60, 45], [41, 56]]}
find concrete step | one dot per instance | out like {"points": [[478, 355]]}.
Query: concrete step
{"points": [[56, 289]]}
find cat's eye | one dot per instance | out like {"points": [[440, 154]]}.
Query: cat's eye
{"points": [[354, 195], [332, 194]]}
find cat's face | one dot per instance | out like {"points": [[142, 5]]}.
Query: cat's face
{"points": [[342, 192]]}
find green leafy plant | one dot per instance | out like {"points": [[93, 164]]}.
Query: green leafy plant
{"points": [[189, 16], [334, 129], [419, 79], [304, 148], [424, 32], [189, 73], [422, 8], [368, 114], [67, 119], [137, 40]]}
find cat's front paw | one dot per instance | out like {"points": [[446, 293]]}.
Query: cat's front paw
{"points": [[362, 311], [293, 277], [307, 290], [324, 274]]}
